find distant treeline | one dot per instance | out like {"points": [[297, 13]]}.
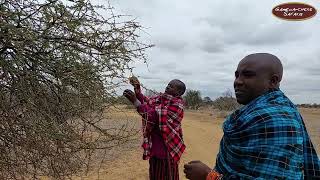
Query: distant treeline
{"points": [[194, 100], [314, 105], [226, 102]]}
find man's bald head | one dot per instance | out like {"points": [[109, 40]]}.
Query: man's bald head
{"points": [[257, 74], [268, 63]]}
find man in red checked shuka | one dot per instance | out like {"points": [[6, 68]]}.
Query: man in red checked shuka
{"points": [[162, 134]]}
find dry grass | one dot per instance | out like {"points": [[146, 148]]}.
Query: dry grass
{"points": [[202, 134], [312, 120]]}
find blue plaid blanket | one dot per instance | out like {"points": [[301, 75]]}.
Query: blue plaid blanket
{"points": [[267, 139]]}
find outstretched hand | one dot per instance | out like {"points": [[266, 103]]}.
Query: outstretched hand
{"points": [[196, 170], [130, 95], [134, 82]]}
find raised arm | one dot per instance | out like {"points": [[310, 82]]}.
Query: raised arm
{"points": [[137, 89]]}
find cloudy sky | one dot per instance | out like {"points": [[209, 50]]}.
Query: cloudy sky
{"points": [[201, 43]]}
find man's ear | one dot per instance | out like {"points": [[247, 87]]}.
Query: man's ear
{"points": [[274, 81]]}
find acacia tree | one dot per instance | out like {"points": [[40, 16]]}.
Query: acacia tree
{"points": [[226, 102], [59, 64], [207, 100], [193, 99]]}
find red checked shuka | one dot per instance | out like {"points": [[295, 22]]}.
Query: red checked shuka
{"points": [[166, 112]]}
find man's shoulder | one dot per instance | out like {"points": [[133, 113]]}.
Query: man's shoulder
{"points": [[275, 114]]}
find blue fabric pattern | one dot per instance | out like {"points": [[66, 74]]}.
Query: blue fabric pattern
{"points": [[267, 139]]}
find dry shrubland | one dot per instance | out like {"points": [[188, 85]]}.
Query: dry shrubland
{"points": [[60, 63]]}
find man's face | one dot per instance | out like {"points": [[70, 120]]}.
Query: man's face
{"points": [[251, 80], [172, 88]]}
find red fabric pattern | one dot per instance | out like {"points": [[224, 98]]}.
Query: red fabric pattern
{"points": [[170, 113]]}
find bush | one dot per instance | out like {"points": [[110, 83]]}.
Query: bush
{"points": [[193, 99], [60, 62], [226, 104]]}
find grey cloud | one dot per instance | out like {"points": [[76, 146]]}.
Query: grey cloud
{"points": [[274, 35], [202, 43], [302, 85], [212, 46], [312, 65], [170, 44], [168, 66], [149, 77], [181, 72], [314, 71], [245, 22], [304, 64], [257, 32]]}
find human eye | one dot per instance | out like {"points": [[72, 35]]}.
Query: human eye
{"points": [[249, 73], [236, 74]]}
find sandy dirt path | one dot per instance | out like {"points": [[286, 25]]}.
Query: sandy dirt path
{"points": [[202, 134]]}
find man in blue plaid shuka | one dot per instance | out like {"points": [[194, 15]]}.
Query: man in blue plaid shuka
{"points": [[266, 138]]}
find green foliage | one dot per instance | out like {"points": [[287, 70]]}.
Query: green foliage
{"points": [[193, 99]]}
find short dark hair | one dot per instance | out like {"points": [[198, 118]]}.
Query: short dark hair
{"points": [[181, 87]]}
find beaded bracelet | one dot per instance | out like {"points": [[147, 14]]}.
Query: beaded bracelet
{"points": [[214, 175]]}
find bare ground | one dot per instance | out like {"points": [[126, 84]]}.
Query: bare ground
{"points": [[202, 134]]}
